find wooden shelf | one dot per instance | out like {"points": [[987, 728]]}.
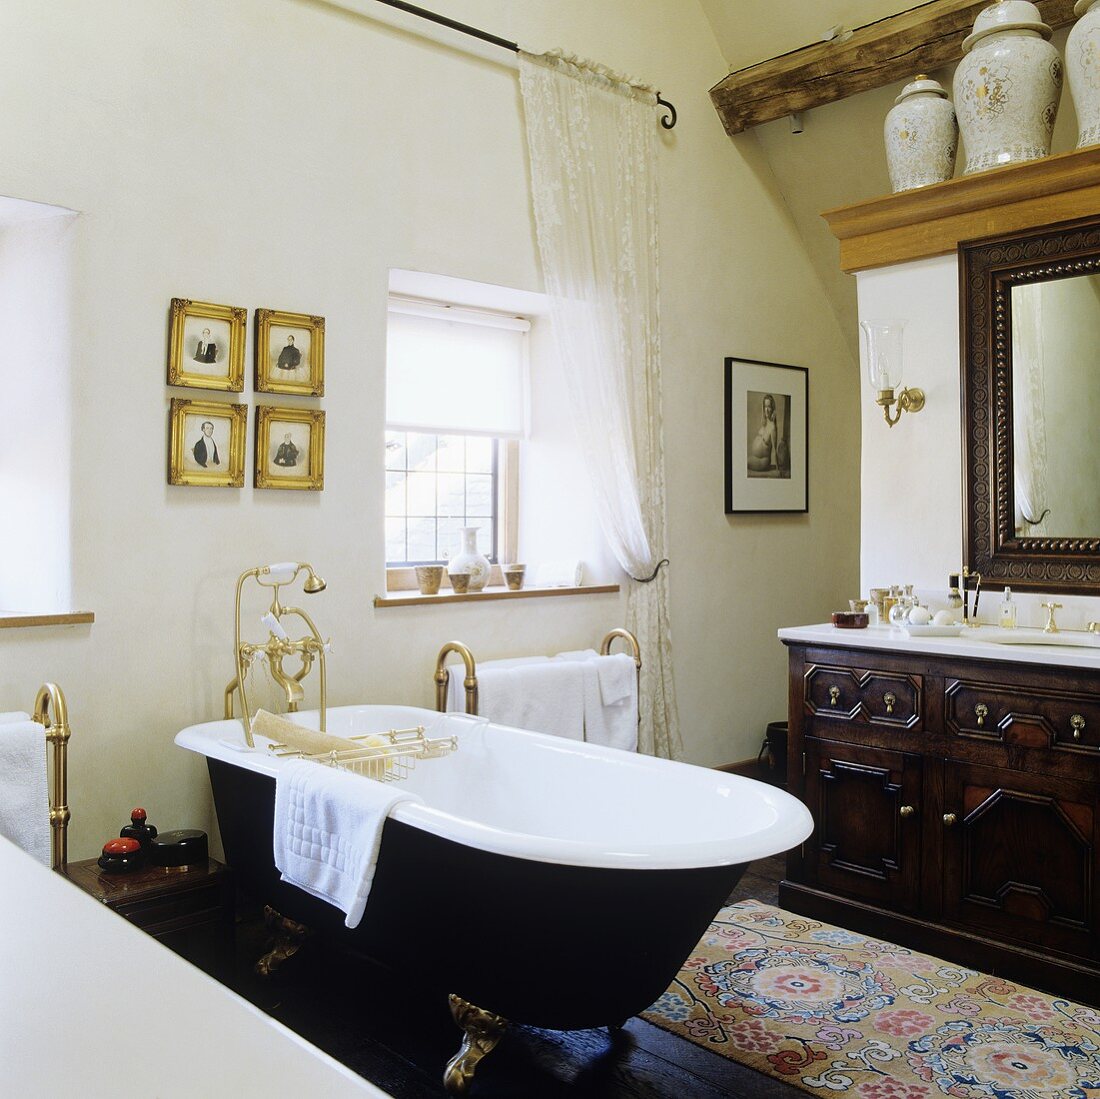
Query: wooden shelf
{"points": [[415, 599], [892, 50], [932, 221], [17, 620]]}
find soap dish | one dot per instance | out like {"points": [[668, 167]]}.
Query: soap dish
{"points": [[851, 620], [932, 631]]}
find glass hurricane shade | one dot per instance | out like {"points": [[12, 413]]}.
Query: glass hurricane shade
{"points": [[882, 341]]}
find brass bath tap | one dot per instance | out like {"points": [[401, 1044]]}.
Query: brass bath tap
{"points": [[279, 644]]}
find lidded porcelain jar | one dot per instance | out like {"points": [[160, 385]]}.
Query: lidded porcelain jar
{"points": [[470, 561], [1007, 87], [1083, 70], [922, 136]]}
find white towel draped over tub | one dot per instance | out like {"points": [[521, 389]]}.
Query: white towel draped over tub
{"points": [[328, 831], [579, 695], [24, 789]]}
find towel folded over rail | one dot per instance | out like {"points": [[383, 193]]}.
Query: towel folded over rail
{"points": [[328, 831], [24, 791], [579, 695]]}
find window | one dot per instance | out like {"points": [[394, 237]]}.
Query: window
{"points": [[456, 393], [436, 484]]}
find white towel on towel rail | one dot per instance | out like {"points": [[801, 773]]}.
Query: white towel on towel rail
{"points": [[456, 690], [610, 697], [24, 792], [545, 696], [328, 831]]}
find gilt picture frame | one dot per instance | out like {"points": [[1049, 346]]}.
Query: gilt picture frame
{"points": [[206, 443], [289, 353], [290, 448], [206, 345], [766, 437]]}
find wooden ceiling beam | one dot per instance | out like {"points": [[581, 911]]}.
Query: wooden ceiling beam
{"points": [[892, 50]]}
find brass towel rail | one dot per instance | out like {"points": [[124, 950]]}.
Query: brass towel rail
{"points": [[442, 672], [51, 712]]}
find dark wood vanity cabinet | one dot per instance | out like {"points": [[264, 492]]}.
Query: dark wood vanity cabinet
{"points": [[956, 806]]}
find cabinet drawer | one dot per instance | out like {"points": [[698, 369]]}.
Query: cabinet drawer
{"points": [[855, 695], [1029, 717]]}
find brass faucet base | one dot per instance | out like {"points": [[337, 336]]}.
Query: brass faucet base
{"points": [[286, 940], [482, 1030]]}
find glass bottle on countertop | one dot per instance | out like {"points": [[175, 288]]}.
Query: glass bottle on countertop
{"points": [[1008, 611]]}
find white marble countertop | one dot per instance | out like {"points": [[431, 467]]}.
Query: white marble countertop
{"points": [[972, 644], [91, 1006]]}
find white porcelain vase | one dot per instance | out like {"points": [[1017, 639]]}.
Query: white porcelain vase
{"points": [[1007, 87], [921, 136], [1083, 70], [469, 561]]}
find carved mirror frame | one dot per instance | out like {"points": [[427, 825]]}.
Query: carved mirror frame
{"points": [[988, 269]]}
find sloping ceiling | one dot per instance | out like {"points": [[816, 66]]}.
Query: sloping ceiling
{"points": [[749, 31]]}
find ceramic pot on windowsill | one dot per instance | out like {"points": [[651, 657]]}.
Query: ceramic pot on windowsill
{"points": [[469, 561]]}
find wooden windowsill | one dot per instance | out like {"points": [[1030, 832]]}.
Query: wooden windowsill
{"points": [[415, 599], [10, 620]]}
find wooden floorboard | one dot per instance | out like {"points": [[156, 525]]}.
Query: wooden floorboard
{"points": [[399, 1037]]}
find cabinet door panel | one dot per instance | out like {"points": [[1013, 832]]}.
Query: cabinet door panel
{"points": [[1020, 856], [866, 808]]}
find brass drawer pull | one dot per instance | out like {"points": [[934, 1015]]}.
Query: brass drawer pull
{"points": [[949, 819], [890, 699], [834, 695], [981, 712], [906, 811], [1077, 721]]}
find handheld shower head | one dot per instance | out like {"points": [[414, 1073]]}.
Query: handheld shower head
{"points": [[314, 583]]}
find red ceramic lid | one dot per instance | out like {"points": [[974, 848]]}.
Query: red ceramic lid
{"points": [[138, 814], [121, 847]]}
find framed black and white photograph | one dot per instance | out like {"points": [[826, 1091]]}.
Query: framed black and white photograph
{"points": [[206, 345], [290, 448], [290, 353], [206, 442], [767, 455]]}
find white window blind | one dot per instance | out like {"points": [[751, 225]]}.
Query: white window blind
{"points": [[451, 370]]}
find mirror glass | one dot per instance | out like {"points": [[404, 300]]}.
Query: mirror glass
{"points": [[1056, 407]]}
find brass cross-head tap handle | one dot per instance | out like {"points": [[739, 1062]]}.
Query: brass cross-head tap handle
{"points": [[1051, 626]]}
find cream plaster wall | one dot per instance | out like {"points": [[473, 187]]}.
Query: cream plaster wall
{"points": [[287, 154], [912, 474]]}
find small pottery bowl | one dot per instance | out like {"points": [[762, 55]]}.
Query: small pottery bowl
{"points": [[513, 576], [460, 581], [428, 578], [850, 620]]}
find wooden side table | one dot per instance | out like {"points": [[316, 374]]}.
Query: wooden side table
{"points": [[187, 908]]}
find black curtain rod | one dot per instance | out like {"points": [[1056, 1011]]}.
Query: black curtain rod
{"points": [[668, 120]]}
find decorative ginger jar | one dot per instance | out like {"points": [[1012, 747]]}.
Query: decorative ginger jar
{"points": [[1007, 87], [1083, 70], [469, 561], [922, 136]]}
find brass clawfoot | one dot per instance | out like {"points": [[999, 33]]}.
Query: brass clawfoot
{"points": [[286, 940], [482, 1030]]}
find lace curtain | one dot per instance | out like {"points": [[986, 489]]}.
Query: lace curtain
{"points": [[592, 141], [1029, 441]]}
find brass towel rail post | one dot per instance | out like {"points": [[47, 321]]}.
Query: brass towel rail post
{"points": [[50, 698]]}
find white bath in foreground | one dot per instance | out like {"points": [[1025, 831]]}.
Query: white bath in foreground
{"points": [[513, 792]]}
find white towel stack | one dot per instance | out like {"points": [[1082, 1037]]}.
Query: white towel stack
{"points": [[24, 792], [579, 695], [328, 831]]}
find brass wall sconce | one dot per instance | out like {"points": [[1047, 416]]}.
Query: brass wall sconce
{"points": [[883, 343]]}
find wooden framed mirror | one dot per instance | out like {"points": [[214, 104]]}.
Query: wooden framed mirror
{"points": [[1031, 407]]}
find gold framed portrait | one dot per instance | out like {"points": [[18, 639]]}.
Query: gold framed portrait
{"points": [[290, 353], [206, 443], [290, 448], [206, 345]]}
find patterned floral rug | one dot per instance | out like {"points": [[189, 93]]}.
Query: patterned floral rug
{"points": [[835, 1013]]}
